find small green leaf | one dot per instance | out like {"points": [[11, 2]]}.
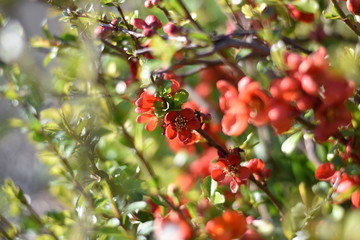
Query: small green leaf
{"points": [[209, 186], [121, 112], [135, 206], [217, 198], [289, 144], [199, 38], [181, 97], [145, 228]]}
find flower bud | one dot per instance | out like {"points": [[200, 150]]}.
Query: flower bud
{"points": [[153, 22], [171, 29], [102, 31], [139, 23]]}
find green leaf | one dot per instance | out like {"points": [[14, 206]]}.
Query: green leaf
{"points": [[209, 186], [306, 6], [181, 97], [135, 206], [321, 189], [199, 38], [217, 198], [145, 228], [289, 144], [121, 112]]}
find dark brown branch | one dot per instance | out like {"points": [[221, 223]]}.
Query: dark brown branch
{"points": [[119, 50], [292, 43], [166, 13], [269, 194], [255, 45]]}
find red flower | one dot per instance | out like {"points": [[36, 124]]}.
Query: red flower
{"points": [[181, 123], [325, 172], [257, 167], [229, 169], [228, 226]]}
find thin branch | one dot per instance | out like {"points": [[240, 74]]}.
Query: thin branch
{"points": [[37, 217], [234, 66], [253, 44], [292, 43], [269, 194], [189, 17], [127, 24], [4, 233], [354, 26], [119, 50], [233, 14], [212, 142], [166, 13]]}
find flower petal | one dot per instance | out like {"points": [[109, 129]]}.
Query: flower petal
{"points": [[170, 132], [234, 125], [222, 162], [151, 125], [184, 134], [187, 113], [244, 173], [193, 124], [217, 175], [170, 116], [144, 118], [234, 186]]}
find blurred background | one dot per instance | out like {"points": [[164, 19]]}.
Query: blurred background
{"points": [[18, 159]]}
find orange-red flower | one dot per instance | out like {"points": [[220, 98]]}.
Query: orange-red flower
{"points": [[228, 226], [145, 102], [150, 119], [248, 104], [257, 167], [181, 123]]}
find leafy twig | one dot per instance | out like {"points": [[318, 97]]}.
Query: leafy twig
{"points": [[354, 26]]}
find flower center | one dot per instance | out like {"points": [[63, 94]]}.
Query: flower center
{"points": [[180, 122], [231, 170]]}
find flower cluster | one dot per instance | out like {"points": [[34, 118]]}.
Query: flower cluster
{"points": [[342, 182], [149, 26], [309, 84]]}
